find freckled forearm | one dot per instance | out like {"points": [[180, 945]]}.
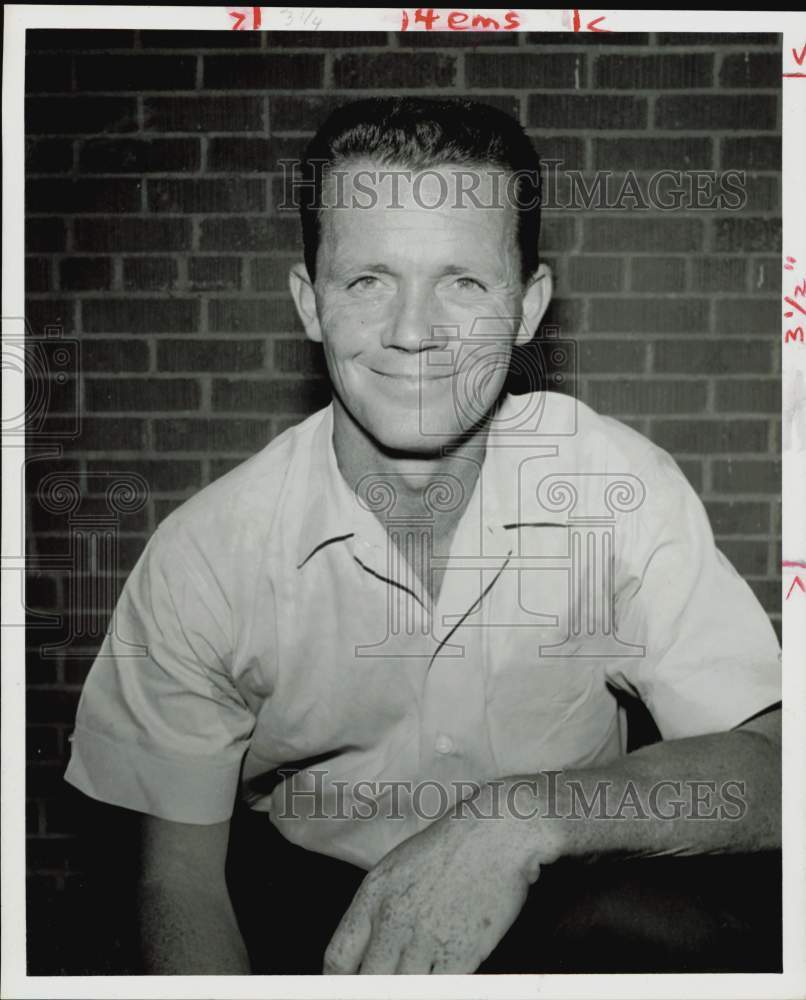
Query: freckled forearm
{"points": [[708, 794]]}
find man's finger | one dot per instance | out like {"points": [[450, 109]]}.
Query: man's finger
{"points": [[346, 949], [383, 953], [418, 957]]}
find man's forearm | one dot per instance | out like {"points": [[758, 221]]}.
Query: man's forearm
{"points": [[707, 794], [189, 930]]}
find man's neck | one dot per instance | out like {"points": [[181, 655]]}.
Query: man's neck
{"points": [[429, 488]]}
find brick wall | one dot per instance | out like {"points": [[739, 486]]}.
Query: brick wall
{"points": [[155, 241]]}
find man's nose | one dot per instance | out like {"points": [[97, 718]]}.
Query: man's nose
{"points": [[414, 324]]}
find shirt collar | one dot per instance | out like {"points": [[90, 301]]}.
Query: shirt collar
{"points": [[333, 513]]}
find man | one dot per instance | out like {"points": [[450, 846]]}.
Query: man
{"points": [[400, 629]]}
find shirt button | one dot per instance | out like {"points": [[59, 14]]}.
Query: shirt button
{"points": [[443, 744]]}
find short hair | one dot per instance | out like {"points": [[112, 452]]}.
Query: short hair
{"points": [[420, 134]]}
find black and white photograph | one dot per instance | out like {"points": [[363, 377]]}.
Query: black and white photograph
{"points": [[397, 561]]}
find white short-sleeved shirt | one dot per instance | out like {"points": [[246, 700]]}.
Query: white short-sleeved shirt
{"points": [[271, 623]]}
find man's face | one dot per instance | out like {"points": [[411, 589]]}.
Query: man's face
{"points": [[418, 302]]}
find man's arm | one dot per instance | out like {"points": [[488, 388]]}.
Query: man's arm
{"points": [[443, 899], [187, 924]]}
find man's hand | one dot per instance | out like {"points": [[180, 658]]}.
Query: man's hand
{"points": [[439, 902]]}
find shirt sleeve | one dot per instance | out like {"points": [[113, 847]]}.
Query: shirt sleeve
{"points": [[161, 727], [711, 657]]}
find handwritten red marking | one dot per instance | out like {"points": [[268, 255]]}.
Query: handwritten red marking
{"points": [[800, 584], [801, 75], [240, 16], [799, 56], [795, 335], [590, 26], [789, 262], [796, 305], [789, 562], [456, 20]]}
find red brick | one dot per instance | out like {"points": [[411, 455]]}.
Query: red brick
{"points": [[379, 71], [723, 112], [203, 114], [251, 155], [716, 357], [115, 395], [748, 315], [135, 72], [100, 434], [595, 274], [224, 435], [584, 40], [132, 234], [42, 313], [253, 71], [558, 70], [85, 273], [140, 315], [746, 476], [189, 39], [765, 275], [48, 156], [636, 396], [270, 395], [650, 315], [718, 274], [626, 153], [653, 72], [585, 111], [716, 40], [253, 316], [162, 476], [600, 356], [143, 274], [79, 115], [295, 356], [607, 233], [50, 74], [750, 558], [707, 437], [311, 39], [210, 355], [568, 150], [751, 69], [270, 274], [753, 235], [456, 39], [738, 517], [134, 156], [219, 273], [260, 234], [97, 195], [752, 152], [44, 234], [757, 395], [119, 355], [658, 274], [230, 194], [37, 274]]}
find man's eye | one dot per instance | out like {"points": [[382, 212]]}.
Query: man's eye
{"points": [[365, 283], [470, 284]]}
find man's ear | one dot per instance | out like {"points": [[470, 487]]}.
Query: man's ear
{"points": [[536, 300], [302, 293]]}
